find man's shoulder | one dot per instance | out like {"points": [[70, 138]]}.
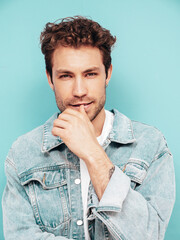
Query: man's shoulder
{"points": [[36, 135], [33, 137], [137, 127], [27, 151], [141, 128], [141, 133]]}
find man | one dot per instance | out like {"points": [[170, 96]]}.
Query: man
{"points": [[87, 173]]}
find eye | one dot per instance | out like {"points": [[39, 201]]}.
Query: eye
{"points": [[65, 76], [91, 74]]}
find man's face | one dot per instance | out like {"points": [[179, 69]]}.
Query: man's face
{"points": [[79, 77]]}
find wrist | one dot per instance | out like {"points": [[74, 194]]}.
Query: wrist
{"points": [[94, 155], [98, 159]]}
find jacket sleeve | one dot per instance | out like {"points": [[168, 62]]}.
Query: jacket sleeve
{"points": [[18, 219], [140, 213]]}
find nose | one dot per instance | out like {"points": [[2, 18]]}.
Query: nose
{"points": [[79, 87]]}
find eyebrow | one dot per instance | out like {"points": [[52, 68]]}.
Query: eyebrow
{"points": [[62, 71], [92, 69], [59, 71]]}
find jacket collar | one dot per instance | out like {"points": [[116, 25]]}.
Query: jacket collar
{"points": [[49, 141], [122, 131]]}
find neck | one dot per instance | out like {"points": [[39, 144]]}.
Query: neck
{"points": [[98, 122]]}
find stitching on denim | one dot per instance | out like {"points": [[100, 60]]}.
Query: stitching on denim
{"points": [[106, 233], [44, 140], [131, 137], [52, 147], [46, 169], [64, 204], [134, 179], [51, 228], [37, 215], [8, 160], [44, 186], [161, 154], [140, 162], [68, 184], [61, 156], [114, 231], [131, 130], [35, 207], [109, 209]]}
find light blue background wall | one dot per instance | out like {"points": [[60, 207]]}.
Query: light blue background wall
{"points": [[144, 86]]}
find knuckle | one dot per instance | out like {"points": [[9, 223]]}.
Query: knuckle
{"points": [[53, 131], [54, 123], [60, 116], [68, 110]]}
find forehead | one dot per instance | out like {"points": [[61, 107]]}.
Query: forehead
{"points": [[73, 58]]}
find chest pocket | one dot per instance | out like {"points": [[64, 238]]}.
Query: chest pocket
{"points": [[136, 170], [48, 195]]}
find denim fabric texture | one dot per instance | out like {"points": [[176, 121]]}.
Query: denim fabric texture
{"points": [[42, 199]]}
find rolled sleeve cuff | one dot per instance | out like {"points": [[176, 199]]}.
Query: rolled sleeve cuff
{"points": [[115, 192]]}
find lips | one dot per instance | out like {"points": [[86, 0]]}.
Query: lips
{"points": [[79, 104], [86, 105]]}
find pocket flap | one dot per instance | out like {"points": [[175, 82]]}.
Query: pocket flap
{"points": [[136, 169], [48, 179]]}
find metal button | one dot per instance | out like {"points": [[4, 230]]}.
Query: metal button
{"points": [[79, 222], [77, 181]]}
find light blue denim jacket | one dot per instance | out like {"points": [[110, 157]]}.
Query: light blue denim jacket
{"points": [[42, 199]]}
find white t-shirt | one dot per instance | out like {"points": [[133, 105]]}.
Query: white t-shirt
{"points": [[85, 178]]}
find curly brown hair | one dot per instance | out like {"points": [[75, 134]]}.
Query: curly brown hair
{"points": [[76, 32]]}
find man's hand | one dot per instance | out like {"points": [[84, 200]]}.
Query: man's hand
{"points": [[77, 132]]}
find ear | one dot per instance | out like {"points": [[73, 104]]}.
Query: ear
{"points": [[50, 80], [109, 75]]}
